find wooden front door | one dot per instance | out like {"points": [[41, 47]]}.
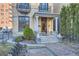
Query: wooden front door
{"points": [[43, 24]]}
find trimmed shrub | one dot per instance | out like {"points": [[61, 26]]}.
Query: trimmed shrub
{"points": [[28, 33], [18, 39]]}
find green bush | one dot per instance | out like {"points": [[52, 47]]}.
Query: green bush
{"points": [[28, 33], [18, 39]]}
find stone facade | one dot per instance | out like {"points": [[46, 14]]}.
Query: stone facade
{"points": [[51, 18]]}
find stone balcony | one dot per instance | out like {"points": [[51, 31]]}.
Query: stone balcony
{"points": [[24, 10]]}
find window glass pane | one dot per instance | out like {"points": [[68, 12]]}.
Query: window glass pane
{"points": [[2, 9], [2, 13], [23, 5], [43, 7], [23, 22]]}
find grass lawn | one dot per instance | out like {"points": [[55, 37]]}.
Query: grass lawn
{"points": [[4, 49]]}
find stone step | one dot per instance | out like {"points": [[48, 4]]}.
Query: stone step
{"points": [[48, 39], [35, 46]]}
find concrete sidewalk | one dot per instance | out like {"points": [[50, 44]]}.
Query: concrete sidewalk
{"points": [[52, 49], [61, 49]]}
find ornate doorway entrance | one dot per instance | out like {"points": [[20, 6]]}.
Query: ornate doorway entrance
{"points": [[44, 24]]}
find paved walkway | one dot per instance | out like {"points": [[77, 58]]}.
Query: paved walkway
{"points": [[53, 49], [61, 49], [39, 52]]}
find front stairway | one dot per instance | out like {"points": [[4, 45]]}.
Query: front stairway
{"points": [[48, 39]]}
